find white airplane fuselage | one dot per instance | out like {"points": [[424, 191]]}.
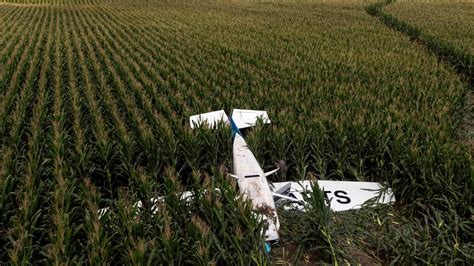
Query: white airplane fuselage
{"points": [[253, 185]]}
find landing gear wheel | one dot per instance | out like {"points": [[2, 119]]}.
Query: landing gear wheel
{"points": [[282, 165]]}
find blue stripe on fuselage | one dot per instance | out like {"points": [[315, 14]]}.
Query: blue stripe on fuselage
{"points": [[233, 126]]}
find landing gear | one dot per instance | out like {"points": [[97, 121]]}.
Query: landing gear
{"points": [[282, 165]]}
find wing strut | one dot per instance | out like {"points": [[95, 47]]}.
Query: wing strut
{"points": [[272, 172]]}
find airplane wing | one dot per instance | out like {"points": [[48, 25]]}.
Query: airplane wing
{"points": [[342, 195], [186, 195], [211, 119], [247, 118]]}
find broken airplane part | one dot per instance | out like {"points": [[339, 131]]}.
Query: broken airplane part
{"points": [[341, 195]]}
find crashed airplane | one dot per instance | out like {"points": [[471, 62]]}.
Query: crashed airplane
{"points": [[253, 183], [265, 196]]}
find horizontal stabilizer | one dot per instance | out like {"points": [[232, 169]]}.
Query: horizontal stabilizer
{"points": [[211, 119], [248, 118]]}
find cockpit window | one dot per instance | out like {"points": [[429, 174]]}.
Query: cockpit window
{"points": [[250, 176]]}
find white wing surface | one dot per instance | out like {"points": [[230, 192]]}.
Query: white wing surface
{"points": [[210, 119], [248, 118], [342, 195]]}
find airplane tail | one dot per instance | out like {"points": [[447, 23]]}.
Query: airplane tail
{"points": [[241, 118], [248, 118]]}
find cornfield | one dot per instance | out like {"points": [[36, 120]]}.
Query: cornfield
{"points": [[94, 107], [459, 29]]}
